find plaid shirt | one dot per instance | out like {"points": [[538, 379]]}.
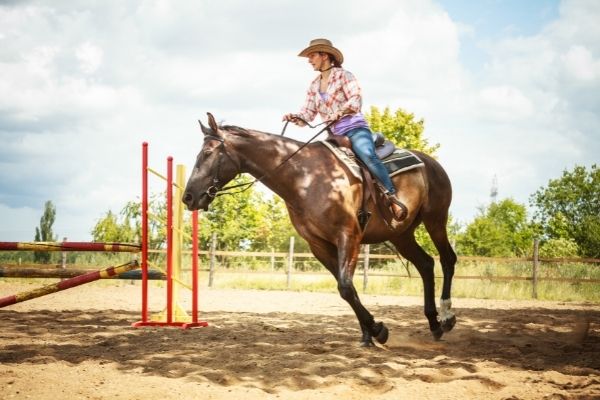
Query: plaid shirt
{"points": [[343, 93]]}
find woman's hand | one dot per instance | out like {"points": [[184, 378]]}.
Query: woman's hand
{"points": [[293, 118], [336, 115]]}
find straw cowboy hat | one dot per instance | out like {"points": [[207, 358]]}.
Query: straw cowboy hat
{"points": [[325, 46]]}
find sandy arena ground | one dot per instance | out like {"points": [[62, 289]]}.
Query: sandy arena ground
{"points": [[78, 344]]}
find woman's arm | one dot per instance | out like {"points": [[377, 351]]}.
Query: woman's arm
{"points": [[308, 112], [353, 93]]}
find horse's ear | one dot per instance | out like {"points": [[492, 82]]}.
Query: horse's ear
{"points": [[212, 123], [206, 130]]}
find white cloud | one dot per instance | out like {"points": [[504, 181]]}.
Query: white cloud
{"points": [[505, 102], [90, 57], [580, 64]]}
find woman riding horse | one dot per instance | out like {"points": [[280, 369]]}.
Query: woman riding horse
{"points": [[323, 204], [336, 96]]}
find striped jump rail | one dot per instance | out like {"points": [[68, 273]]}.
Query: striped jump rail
{"points": [[70, 246], [68, 283]]}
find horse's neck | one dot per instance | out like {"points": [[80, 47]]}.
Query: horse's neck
{"points": [[266, 157]]}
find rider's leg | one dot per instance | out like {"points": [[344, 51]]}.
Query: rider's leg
{"points": [[364, 148]]}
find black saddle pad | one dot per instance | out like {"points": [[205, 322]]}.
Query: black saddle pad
{"points": [[401, 160]]}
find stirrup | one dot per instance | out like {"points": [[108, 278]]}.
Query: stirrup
{"points": [[394, 200]]}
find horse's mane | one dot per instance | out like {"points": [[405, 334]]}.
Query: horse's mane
{"points": [[253, 133], [238, 130]]}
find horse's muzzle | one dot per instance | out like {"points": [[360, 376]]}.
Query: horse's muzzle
{"points": [[194, 203]]}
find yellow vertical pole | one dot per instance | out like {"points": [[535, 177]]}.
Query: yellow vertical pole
{"points": [[180, 312]]}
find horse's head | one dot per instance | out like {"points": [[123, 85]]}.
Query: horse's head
{"points": [[214, 168]]}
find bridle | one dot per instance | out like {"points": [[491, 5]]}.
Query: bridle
{"points": [[215, 189]]}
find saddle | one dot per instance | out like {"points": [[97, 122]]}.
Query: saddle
{"points": [[383, 148]]}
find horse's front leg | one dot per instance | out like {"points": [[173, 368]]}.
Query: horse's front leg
{"points": [[348, 249]]}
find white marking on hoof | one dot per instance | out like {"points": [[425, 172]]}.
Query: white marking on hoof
{"points": [[445, 313]]}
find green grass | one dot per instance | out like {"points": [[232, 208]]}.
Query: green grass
{"points": [[253, 273], [484, 288]]}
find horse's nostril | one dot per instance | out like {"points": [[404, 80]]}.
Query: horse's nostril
{"points": [[187, 198]]}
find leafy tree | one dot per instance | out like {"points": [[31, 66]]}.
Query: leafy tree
{"points": [[126, 227], [425, 241], [110, 229], [569, 208], [500, 230], [556, 248], [233, 218], [401, 128], [275, 228], [44, 232]]}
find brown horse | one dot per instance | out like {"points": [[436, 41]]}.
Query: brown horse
{"points": [[322, 198]]}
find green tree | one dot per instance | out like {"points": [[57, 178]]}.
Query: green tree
{"points": [[569, 208], [500, 230], [233, 218], [275, 227], [556, 248], [401, 128], [126, 227], [405, 131], [110, 229], [44, 233], [424, 240]]}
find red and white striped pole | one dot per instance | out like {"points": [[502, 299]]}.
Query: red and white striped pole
{"points": [[68, 283]]}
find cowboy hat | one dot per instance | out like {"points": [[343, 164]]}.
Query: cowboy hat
{"points": [[325, 46]]}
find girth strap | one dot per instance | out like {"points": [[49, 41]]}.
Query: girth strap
{"points": [[368, 191]]}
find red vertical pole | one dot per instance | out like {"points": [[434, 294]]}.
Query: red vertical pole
{"points": [[195, 266], [169, 239], [144, 232]]}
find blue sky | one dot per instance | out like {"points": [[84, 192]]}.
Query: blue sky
{"points": [[489, 20], [507, 88]]}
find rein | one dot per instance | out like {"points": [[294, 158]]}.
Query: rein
{"points": [[214, 190]]}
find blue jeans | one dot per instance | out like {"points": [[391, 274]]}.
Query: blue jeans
{"points": [[364, 148]]}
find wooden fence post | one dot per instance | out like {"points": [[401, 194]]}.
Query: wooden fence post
{"points": [[366, 268], [212, 262], [64, 257], [290, 262], [272, 259], [536, 262]]}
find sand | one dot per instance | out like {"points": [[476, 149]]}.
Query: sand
{"points": [[78, 344]]}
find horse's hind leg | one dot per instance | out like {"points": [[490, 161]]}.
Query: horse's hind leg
{"points": [[408, 247], [436, 227]]}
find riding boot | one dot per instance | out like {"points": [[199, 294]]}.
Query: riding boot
{"points": [[398, 209]]}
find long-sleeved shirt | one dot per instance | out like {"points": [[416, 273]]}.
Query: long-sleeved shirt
{"points": [[343, 93]]}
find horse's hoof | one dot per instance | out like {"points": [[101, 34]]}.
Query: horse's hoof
{"points": [[367, 343], [448, 324], [437, 333], [382, 332]]}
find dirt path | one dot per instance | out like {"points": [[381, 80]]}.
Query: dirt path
{"points": [[78, 344]]}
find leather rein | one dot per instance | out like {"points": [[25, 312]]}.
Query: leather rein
{"points": [[216, 190]]}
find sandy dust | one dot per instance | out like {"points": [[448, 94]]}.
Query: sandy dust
{"points": [[78, 344]]}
